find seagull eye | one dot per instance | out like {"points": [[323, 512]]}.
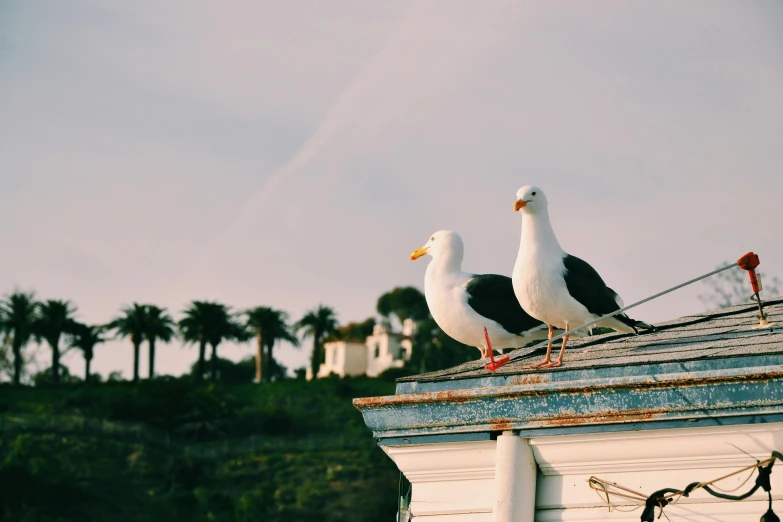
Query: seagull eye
{"points": [[533, 194], [432, 238]]}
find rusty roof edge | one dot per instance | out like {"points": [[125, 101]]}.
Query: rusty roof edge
{"points": [[591, 423], [725, 397], [581, 386]]}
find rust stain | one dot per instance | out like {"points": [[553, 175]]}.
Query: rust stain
{"points": [[503, 424], [452, 396], [608, 417], [499, 424], [469, 395], [529, 378]]}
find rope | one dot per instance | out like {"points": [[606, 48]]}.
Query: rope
{"points": [[666, 496], [750, 476]]}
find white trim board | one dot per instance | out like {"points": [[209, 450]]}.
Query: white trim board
{"points": [[455, 482]]}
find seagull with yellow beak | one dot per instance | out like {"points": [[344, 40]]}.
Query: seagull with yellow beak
{"points": [[462, 304]]}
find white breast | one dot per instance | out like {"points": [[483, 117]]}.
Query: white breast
{"points": [[447, 299], [541, 290], [448, 304]]}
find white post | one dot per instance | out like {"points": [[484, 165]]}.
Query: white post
{"points": [[515, 479]]}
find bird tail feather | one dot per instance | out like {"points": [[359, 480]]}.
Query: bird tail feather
{"points": [[633, 323], [642, 324]]}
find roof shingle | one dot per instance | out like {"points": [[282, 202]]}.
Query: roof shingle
{"points": [[719, 334]]}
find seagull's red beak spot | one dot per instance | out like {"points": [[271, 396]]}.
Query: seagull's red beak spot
{"points": [[519, 204]]}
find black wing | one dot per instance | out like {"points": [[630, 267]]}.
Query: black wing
{"points": [[492, 296], [586, 286]]}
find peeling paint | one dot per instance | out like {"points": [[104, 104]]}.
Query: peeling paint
{"points": [[529, 378], [461, 396], [706, 370], [500, 424], [617, 416], [554, 405]]}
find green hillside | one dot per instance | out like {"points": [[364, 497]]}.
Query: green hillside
{"points": [[170, 450]]}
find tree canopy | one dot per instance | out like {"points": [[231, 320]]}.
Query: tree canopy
{"points": [[133, 325], [269, 326], [434, 350], [18, 314], [158, 325], [320, 324], [54, 319], [85, 338], [356, 331], [192, 329], [404, 302]]}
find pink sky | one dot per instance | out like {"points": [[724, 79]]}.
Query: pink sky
{"points": [[290, 154]]}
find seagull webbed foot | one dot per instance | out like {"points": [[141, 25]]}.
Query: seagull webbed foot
{"points": [[543, 364]]}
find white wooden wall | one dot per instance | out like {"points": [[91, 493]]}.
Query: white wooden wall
{"points": [[455, 482]]}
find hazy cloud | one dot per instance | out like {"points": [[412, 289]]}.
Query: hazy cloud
{"points": [[295, 153]]}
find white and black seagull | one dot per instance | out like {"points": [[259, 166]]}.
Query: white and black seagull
{"points": [[557, 288], [463, 304]]}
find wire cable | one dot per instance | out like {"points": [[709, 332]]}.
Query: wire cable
{"points": [[623, 309]]}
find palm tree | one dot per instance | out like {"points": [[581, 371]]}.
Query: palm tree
{"points": [[6, 360], [55, 318], [132, 324], [192, 328], [159, 325], [207, 322], [17, 318], [319, 324], [270, 326], [85, 338], [222, 325]]}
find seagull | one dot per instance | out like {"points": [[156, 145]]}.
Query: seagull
{"points": [[462, 304], [555, 287]]}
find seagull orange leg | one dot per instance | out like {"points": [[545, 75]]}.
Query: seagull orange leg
{"points": [[489, 347], [486, 350], [494, 364], [559, 361], [547, 361]]}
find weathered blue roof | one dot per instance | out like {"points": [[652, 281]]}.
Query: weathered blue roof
{"points": [[704, 369], [725, 333]]}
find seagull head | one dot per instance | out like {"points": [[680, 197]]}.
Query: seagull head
{"points": [[530, 199], [442, 242]]}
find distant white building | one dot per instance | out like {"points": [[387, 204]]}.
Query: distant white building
{"points": [[342, 358], [379, 352]]}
